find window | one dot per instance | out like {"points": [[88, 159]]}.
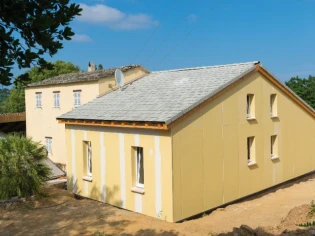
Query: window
{"points": [[274, 146], [48, 144], [38, 100], [273, 105], [77, 98], [251, 159], [88, 158], [56, 100], [139, 167], [250, 106]]}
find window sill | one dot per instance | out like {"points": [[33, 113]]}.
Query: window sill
{"points": [[251, 118], [274, 158], [273, 116], [252, 163], [87, 178], [137, 190]]}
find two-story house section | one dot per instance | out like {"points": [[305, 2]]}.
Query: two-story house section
{"points": [[48, 99]]}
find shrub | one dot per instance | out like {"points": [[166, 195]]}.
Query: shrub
{"points": [[22, 171]]}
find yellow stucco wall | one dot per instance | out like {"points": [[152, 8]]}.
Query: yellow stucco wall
{"points": [[112, 168], [210, 165], [41, 122]]}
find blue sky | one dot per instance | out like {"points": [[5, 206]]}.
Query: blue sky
{"points": [[180, 34]]}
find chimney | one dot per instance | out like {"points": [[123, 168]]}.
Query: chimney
{"points": [[91, 67]]}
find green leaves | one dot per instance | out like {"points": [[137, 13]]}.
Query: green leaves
{"points": [[304, 88], [30, 29], [22, 171]]}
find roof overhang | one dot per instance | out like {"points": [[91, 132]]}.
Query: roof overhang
{"points": [[117, 124]]}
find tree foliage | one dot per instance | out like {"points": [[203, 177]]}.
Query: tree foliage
{"points": [[30, 29], [15, 102], [304, 88], [100, 67], [4, 93], [22, 171]]}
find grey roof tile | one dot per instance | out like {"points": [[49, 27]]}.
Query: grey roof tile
{"points": [[161, 96], [81, 76]]}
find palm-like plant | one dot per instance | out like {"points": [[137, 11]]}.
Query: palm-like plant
{"points": [[22, 172]]}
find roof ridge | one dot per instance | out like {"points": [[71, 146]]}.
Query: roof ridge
{"points": [[205, 67]]}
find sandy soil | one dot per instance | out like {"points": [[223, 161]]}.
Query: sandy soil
{"points": [[59, 213]]}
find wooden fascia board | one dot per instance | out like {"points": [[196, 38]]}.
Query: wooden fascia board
{"points": [[279, 85], [119, 124]]}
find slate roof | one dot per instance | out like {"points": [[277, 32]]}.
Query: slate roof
{"points": [[161, 96], [82, 76]]}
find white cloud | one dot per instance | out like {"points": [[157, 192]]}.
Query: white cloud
{"points": [[192, 17], [113, 18], [81, 38]]}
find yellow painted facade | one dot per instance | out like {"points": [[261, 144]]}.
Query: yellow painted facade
{"points": [[202, 161], [41, 122], [112, 175], [210, 166]]}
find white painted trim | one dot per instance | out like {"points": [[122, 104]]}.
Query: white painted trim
{"points": [[86, 188], [74, 176], [122, 170], [103, 167], [158, 175], [138, 203]]}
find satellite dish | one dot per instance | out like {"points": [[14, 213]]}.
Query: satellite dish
{"points": [[119, 77]]}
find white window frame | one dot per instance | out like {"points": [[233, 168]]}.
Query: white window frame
{"points": [[56, 99], [38, 100], [274, 146], [77, 98], [139, 157], [48, 141], [89, 166]]}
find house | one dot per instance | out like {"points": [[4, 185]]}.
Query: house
{"points": [[48, 99], [180, 142]]}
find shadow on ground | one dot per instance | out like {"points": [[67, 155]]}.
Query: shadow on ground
{"points": [[245, 230]]}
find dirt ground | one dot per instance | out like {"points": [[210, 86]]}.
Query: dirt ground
{"points": [[59, 213]]}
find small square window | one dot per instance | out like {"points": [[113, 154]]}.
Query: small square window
{"points": [[273, 105], [48, 144], [251, 155], [38, 100], [274, 146], [250, 104]]}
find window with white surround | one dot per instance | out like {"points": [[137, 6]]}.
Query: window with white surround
{"points": [[273, 105], [139, 167], [77, 98], [274, 146], [38, 100], [251, 157], [88, 158], [56, 99], [48, 144], [250, 106]]}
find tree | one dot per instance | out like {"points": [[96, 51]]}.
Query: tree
{"points": [[15, 102], [4, 93], [59, 67], [22, 172], [30, 29], [100, 67], [304, 88]]}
